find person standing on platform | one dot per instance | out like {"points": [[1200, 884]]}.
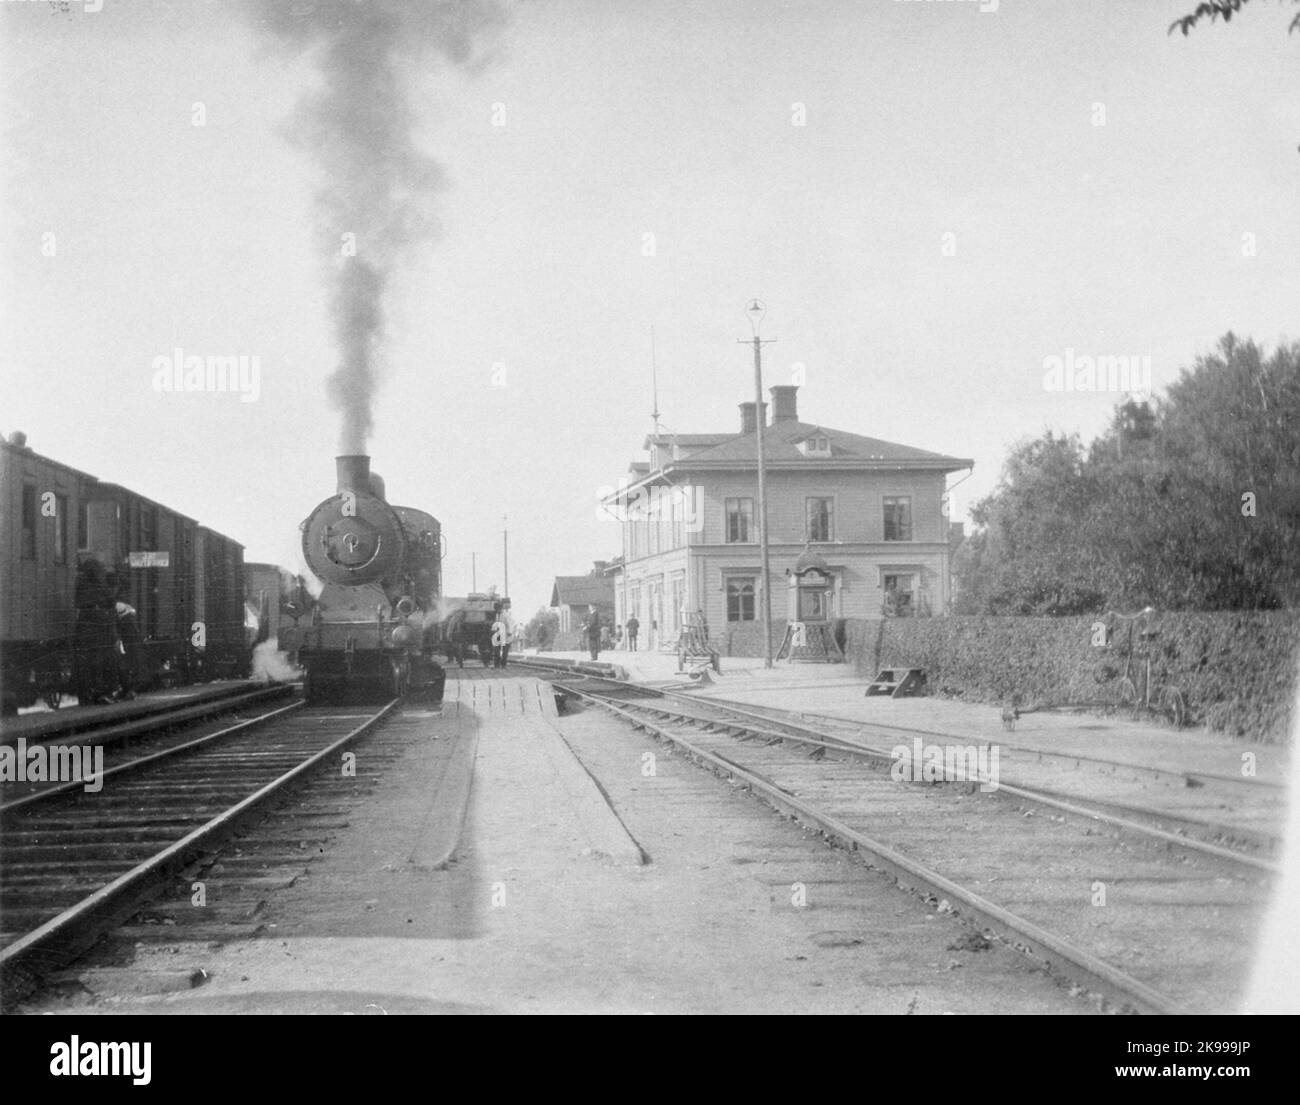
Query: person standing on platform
{"points": [[593, 633], [503, 636], [95, 659], [632, 626], [128, 650]]}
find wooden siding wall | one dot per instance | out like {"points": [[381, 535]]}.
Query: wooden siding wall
{"points": [[36, 594]]}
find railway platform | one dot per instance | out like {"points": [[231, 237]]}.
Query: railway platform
{"points": [[838, 691], [45, 724]]}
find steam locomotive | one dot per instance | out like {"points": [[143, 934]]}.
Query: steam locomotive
{"points": [[373, 629]]}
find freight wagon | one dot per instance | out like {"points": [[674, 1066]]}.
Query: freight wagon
{"points": [[60, 527]]}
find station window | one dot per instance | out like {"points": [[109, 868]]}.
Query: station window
{"points": [[29, 521], [740, 520], [900, 594], [740, 599], [898, 518], [819, 518]]}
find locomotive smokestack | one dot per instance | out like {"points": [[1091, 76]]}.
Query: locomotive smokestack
{"points": [[354, 473]]}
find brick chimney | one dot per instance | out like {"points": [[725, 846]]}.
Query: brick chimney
{"points": [[784, 408], [747, 423]]}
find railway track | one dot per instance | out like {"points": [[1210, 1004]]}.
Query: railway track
{"points": [[153, 729], [75, 863], [1149, 919], [1240, 812], [144, 714]]}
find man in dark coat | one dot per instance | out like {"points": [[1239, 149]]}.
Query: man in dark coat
{"points": [[95, 666]]}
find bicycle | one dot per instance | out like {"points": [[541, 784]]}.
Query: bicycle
{"points": [[1166, 701]]}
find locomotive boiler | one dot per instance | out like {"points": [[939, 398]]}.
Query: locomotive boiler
{"points": [[371, 630]]}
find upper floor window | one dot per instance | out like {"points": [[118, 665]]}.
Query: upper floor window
{"points": [[898, 518], [819, 517], [740, 520], [148, 528], [818, 445]]}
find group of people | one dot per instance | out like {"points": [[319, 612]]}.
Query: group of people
{"points": [[598, 633], [695, 635], [107, 638]]}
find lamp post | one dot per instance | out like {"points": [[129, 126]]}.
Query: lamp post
{"points": [[755, 311]]}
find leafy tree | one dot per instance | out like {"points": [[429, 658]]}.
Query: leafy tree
{"points": [[1213, 9], [1030, 558], [542, 628], [1191, 503]]}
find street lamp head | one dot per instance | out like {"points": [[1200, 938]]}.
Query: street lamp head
{"points": [[755, 311]]}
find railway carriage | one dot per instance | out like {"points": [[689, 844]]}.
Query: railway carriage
{"points": [[184, 582], [40, 501]]}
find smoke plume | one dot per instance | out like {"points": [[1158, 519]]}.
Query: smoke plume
{"points": [[270, 665], [373, 203]]}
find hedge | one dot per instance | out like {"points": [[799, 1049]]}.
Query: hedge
{"points": [[1236, 670]]}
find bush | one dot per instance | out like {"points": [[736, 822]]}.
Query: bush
{"points": [[1236, 670]]}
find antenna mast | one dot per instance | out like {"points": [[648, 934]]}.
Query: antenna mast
{"points": [[654, 382]]}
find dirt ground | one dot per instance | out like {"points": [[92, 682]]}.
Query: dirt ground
{"points": [[546, 910]]}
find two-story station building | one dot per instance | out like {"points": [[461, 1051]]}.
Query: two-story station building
{"points": [[874, 512]]}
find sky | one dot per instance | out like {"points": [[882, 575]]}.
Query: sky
{"points": [[932, 200]]}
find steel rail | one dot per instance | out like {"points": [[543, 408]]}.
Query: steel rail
{"points": [[1040, 795], [160, 718], [61, 936], [889, 727], [1100, 976], [148, 716], [140, 761]]}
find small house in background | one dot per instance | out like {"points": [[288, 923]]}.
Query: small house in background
{"points": [[574, 596]]}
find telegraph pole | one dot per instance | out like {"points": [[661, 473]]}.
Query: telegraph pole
{"points": [[755, 311]]}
